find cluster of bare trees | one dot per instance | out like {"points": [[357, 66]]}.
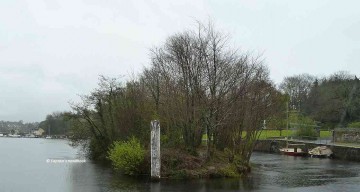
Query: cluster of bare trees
{"points": [[196, 85], [200, 85]]}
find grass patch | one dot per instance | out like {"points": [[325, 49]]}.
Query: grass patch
{"points": [[325, 134], [275, 133], [266, 134], [284, 133]]}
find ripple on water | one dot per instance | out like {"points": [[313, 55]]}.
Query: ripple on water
{"points": [[294, 172]]}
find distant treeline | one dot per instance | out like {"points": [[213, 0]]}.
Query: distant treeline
{"points": [[332, 101], [56, 123], [9, 127]]}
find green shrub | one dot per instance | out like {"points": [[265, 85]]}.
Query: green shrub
{"points": [[306, 132], [305, 127], [354, 125], [127, 156]]}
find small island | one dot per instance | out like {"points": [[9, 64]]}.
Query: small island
{"points": [[211, 101]]}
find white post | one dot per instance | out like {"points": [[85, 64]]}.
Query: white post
{"points": [[155, 150]]}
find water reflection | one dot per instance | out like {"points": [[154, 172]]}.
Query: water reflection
{"points": [[123, 183], [23, 168]]}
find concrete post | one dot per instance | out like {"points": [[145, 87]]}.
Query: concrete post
{"points": [[155, 150]]}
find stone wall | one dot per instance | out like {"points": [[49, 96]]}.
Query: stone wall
{"points": [[347, 135], [339, 152]]}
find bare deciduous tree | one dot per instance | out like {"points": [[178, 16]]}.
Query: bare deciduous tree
{"points": [[209, 86]]}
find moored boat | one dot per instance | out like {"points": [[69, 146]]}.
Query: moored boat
{"points": [[321, 152], [293, 150]]}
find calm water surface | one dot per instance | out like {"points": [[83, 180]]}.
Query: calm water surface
{"points": [[24, 167]]}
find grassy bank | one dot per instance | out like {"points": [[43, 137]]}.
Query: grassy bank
{"points": [[284, 133]]}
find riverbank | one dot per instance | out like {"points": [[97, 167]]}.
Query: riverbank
{"points": [[179, 164]]}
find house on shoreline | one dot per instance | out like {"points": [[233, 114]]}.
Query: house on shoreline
{"points": [[39, 132]]}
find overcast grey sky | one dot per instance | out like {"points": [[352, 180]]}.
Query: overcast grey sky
{"points": [[53, 50]]}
